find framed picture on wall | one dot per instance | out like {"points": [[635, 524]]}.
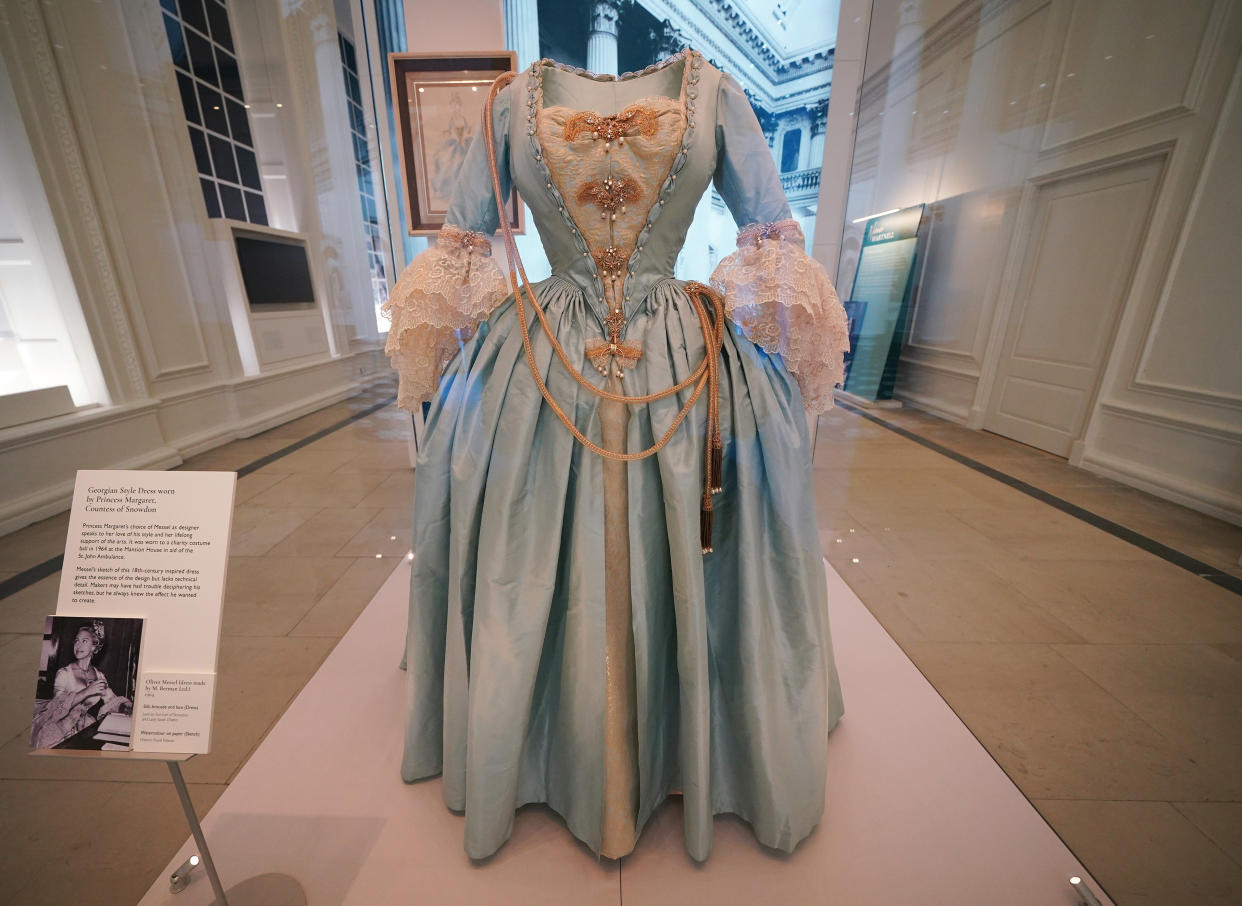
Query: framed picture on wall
{"points": [[438, 101]]}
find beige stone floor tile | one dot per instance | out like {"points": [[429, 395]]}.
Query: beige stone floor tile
{"points": [[217, 461], [89, 843], [902, 455], [388, 532], [862, 452], [1035, 531], [6, 574], [876, 517], [1145, 600], [274, 616], [336, 611], [24, 611], [1116, 499], [994, 493], [397, 490], [843, 546], [1234, 650], [1189, 692], [312, 459], [308, 489], [1146, 853], [256, 530], [1057, 733], [951, 540], [344, 441], [6, 637], [881, 604], [1210, 540], [255, 483], [373, 429], [889, 519], [380, 455], [838, 424], [962, 601], [325, 533], [831, 492], [910, 491], [837, 519], [256, 578], [309, 424], [235, 454], [1052, 474], [34, 544], [1201, 536], [267, 596], [19, 664], [1220, 822]]}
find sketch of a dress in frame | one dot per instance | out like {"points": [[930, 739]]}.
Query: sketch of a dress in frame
{"points": [[438, 100]]}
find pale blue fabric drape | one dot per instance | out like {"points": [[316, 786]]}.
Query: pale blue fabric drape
{"points": [[736, 687]]}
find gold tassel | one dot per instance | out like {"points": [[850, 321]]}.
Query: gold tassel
{"points": [[705, 523], [717, 476]]}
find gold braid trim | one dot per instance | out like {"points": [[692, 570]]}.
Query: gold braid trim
{"points": [[633, 119], [610, 193], [467, 239], [755, 233], [705, 376]]}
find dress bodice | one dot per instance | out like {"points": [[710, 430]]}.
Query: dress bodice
{"points": [[612, 170]]}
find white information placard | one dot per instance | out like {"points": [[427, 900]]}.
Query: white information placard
{"points": [[155, 545]]}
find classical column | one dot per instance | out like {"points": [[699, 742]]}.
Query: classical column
{"points": [[522, 30], [602, 41], [819, 128], [806, 120]]}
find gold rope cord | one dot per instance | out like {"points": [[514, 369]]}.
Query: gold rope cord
{"points": [[705, 376]]}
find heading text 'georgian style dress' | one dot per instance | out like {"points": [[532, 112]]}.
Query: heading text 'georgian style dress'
{"points": [[569, 640]]}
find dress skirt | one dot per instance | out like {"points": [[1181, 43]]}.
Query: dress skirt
{"points": [[569, 643]]}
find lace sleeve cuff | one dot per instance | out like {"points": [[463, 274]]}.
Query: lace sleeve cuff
{"points": [[436, 305], [783, 301]]}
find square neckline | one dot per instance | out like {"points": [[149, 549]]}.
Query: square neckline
{"points": [[684, 57]]}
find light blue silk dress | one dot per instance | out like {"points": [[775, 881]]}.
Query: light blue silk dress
{"points": [[569, 643]]}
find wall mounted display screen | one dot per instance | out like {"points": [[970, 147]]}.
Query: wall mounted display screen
{"points": [[274, 271]]}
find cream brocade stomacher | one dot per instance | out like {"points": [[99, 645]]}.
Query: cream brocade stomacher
{"points": [[598, 622]]}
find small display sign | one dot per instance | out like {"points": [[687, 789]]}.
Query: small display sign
{"points": [[879, 300], [154, 546]]}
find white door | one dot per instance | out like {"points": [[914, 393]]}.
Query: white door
{"points": [[1085, 238]]}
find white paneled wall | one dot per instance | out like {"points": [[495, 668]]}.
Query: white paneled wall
{"points": [[1078, 271], [158, 288]]}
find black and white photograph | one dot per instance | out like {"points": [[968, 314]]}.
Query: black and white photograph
{"points": [[88, 676]]}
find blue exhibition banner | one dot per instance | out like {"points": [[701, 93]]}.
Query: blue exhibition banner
{"points": [[879, 301]]}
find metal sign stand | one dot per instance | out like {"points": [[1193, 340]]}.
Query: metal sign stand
{"points": [[196, 830]]}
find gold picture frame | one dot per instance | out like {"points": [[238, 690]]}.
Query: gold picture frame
{"points": [[438, 102]]}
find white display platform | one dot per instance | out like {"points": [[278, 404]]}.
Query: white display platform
{"points": [[918, 812]]}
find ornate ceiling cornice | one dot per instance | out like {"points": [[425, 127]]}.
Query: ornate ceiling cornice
{"points": [[722, 31], [731, 17]]}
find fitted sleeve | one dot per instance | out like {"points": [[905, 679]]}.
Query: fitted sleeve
{"points": [[449, 289], [779, 296]]}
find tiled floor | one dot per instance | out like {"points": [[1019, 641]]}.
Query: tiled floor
{"points": [[1104, 680]]}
